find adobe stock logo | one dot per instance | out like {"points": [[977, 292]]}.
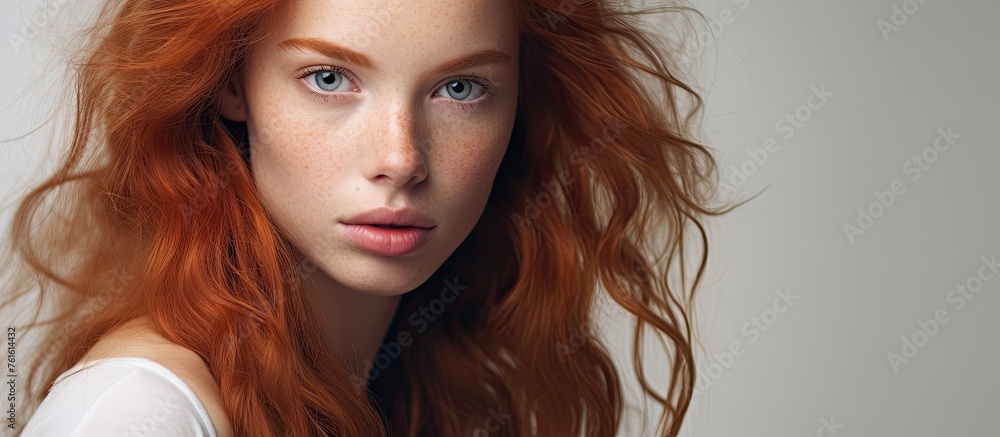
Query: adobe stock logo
{"points": [[899, 17], [915, 168], [958, 296], [788, 124], [554, 188], [161, 416], [759, 323], [34, 25], [420, 319]]}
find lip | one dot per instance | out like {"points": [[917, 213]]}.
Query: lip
{"points": [[416, 230], [388, 216]]}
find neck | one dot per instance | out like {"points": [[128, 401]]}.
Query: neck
{"points": [[353, 322]]}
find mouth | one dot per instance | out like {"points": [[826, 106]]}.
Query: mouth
{"points": [[389, 218], [387, 240]]}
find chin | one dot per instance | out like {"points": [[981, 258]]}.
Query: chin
{"points": [[383, 277]]}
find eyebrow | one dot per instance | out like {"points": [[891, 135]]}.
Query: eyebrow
{"points": [[335, 51]]}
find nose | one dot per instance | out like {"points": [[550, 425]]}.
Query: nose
{"points": [[398, 158]]}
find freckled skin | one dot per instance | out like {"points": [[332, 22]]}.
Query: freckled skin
{"points": [[395, 137]]}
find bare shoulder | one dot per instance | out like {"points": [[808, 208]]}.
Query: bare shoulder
{"points": [[137, 339]]}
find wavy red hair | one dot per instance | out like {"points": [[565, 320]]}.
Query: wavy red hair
{"points": [[157, 216]]}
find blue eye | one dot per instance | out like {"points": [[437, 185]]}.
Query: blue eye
{"points": [[328, 80], [461, 89]]}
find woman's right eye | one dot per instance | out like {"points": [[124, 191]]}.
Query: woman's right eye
{"points": [[328, 80]]}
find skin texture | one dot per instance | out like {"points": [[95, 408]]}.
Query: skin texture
{"points": [[391, 134]]}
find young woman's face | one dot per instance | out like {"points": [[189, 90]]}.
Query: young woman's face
{"points": [[358, 105]]}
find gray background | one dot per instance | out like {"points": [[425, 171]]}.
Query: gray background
{"points": [[822, 367]]}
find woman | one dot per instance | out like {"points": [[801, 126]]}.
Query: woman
{"points": [[315, 217]]}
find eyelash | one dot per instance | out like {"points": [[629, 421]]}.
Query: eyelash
{"points": [[487, 86]]}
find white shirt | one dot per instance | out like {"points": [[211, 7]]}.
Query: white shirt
{"points": [[120, 397]]}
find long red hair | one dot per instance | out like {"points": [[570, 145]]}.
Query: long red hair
{"points": [[155, 214]]}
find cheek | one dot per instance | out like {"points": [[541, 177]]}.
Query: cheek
{"points": [[294, 172], [290, 149], [471, 166]]}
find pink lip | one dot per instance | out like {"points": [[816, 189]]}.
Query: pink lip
{"points": [[387, 216], [387, 241], [414, 231]]}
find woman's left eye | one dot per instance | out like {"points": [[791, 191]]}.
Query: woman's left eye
{"points": [[461, 89]]}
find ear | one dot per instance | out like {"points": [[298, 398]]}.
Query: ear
{"points": [[234, 104]]}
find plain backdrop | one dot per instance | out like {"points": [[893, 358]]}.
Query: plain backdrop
{"points": [[831, 305]]}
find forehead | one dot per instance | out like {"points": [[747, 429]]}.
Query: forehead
{"points": [[388, 30]]}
